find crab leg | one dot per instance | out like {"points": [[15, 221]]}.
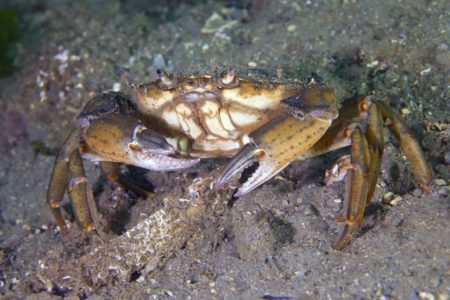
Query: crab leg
{"points": [[362, 179], [111, 171], [375, 138], [408, 144], [274, 146], [356, 189], [58, 179], [356, 110], [77, 190], [68, 171], [113, 137]]}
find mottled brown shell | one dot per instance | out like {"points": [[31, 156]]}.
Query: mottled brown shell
{"points": [[217, 113]]}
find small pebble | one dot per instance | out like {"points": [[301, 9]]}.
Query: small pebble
{"points": [[426, 296], [396, 200], [158, 61], [440, 182], [425, 71], [391, 198], [141, 280], [116, 87], [372, 64], [447, 157], [417, 192], [388, 196], [252, 64], [291, 28], [405, 111], [216, 23]]}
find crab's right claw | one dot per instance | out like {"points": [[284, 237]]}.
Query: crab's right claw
{"points": [[123, 139], [274, 147]]}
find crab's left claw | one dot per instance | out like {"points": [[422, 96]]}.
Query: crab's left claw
{"points": [[274, 147]]}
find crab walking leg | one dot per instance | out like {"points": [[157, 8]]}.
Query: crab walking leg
{"points": [[408, 144], [375, 138], [77, 190], [111, 171], [58, 179], [356, 189], [274, 146], [364, 167], [377, 114]]}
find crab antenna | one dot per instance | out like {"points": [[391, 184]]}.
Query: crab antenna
{"points": [[209, 59], [165, 79]]}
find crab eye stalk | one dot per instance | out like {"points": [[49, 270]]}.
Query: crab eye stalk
{"points": [[228, 78], [166, 82]]}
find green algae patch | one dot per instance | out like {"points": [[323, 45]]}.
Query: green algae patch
{"points": [[9, 34]]}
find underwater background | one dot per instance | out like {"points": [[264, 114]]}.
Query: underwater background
{"points": [[273, 243]]}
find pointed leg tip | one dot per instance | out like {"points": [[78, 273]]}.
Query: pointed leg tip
{"points": [[425, 188], [345, 235]]}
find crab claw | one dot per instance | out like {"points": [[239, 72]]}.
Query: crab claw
{"points": [[274, 147], [124, 139], [248, 156]]}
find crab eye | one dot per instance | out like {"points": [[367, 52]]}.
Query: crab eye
{"points": [[166, 81], [228, 78]]}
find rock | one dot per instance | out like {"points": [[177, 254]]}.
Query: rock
{"points": [[440, 182], [158, 61], [417, 192], [216, 23], [252, 64], [447, 157], [291, 28], [391, 198], [405, 111]]}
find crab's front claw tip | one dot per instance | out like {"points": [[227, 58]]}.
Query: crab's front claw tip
{"points": [[248, 155], [151, 141], [237, 164], [263, 172], [153, 149]]}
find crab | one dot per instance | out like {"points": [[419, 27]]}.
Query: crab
{"points": [[175, 121]]}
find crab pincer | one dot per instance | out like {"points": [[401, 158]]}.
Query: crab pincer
{"points": [[274, 146]]}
